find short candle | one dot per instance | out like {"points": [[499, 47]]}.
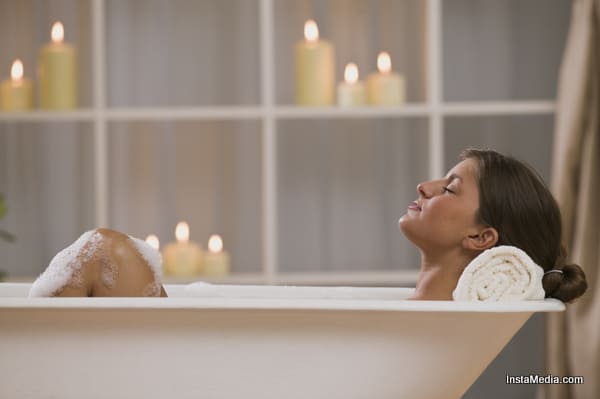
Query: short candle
{"points": [[385, 87], [315, 68], [216, 261], [182, 258], [16, 93], [351, 92], [58, 72]]}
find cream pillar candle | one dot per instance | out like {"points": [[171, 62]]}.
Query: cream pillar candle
{"points": [[182, 258], [386, 87], [58, 72], [351, 92], [16, 93], [216, 261], [315, 68]]}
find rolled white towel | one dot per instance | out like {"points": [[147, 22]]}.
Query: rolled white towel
{"points": [[503, 273]]}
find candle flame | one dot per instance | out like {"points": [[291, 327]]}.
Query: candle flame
{"points": [[16, 71], [311, 31], [215, 243], [182, 232], [58, 32], [152, 240], [384, 62], [351, 73]]}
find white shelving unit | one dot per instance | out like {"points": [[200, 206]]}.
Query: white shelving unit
{"points": [[268, 113]]}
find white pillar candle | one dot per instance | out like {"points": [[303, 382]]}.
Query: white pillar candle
{"points": [[352, 91], [315, 68], [216, 261], [16, 93], [184, 257], [386, 87]]}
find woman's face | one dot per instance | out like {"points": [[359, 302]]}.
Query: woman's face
{"points": [[444, 213]]}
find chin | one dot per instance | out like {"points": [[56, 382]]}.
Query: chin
{"points": [[404, 226], [411, 231]]}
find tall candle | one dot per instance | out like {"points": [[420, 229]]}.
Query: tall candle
{"points": [[58, 72], [315, 68], [216, 261], [184, 257], [351, 92], [385, 87], [16, 93]]}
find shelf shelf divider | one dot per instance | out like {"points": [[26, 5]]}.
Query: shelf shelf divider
{"points": [[269, 143], [99, 100]]}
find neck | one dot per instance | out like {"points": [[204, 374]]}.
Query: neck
{"points": [[439, 275]]}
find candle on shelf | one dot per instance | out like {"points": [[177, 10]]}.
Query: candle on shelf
{"points": [[351, 92], [182, 258], [385, 87], [216, 261], [152, 240], [16, 93], [58, 72], [315, 68]]}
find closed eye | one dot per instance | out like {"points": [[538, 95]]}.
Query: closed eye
{"points": [[446, 189]]}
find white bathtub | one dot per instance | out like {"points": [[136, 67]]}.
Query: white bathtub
{"points": [[251, 342]]}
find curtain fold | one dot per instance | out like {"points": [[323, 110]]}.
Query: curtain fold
{"points": [[573, 338]]}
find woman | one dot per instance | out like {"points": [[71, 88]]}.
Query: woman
{"points": [[487, 200]]}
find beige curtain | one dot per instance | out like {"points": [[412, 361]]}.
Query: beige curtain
{"points": [[573, 344]]}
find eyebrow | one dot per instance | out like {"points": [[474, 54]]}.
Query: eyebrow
{"points": [[454, 176]]}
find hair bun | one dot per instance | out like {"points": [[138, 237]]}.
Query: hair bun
{"points": [[567, 286]]}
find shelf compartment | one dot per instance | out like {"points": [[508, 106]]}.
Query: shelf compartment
{"points": [[47, 180], [527, 137], [359, 30], [207, 173], [25, 27], [342, 186], [502, 50], [182, 53]]}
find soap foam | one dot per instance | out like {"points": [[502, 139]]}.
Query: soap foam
{"points": [[152, 289], [65, 267], [108, 272], [150, 254]]}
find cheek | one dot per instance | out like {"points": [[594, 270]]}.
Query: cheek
{"points": [[442, 223]]}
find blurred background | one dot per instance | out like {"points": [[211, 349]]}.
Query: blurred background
{"points": [[186, 112]]}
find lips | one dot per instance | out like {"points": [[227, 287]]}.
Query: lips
{"points": [[414, 206]]}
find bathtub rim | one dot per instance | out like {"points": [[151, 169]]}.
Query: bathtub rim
{"points": [[217, 303]]}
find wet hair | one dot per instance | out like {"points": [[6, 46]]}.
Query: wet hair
{"points": [[514, 200]]}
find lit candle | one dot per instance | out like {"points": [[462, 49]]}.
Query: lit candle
{"points": [[385, 87], [16, 94], [182, 258], [216, 261], [58, 72], [315, 68], [351, 91], [152, 240]]}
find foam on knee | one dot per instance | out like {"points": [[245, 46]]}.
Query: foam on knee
{"points": [[66, 266]]}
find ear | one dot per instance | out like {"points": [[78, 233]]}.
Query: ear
{"points": [[484, 239]]}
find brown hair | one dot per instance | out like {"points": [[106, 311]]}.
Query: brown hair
{"points": [[514, 200]]}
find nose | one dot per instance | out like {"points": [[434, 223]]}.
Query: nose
{"points": [[421, 190], [426, 189]]}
